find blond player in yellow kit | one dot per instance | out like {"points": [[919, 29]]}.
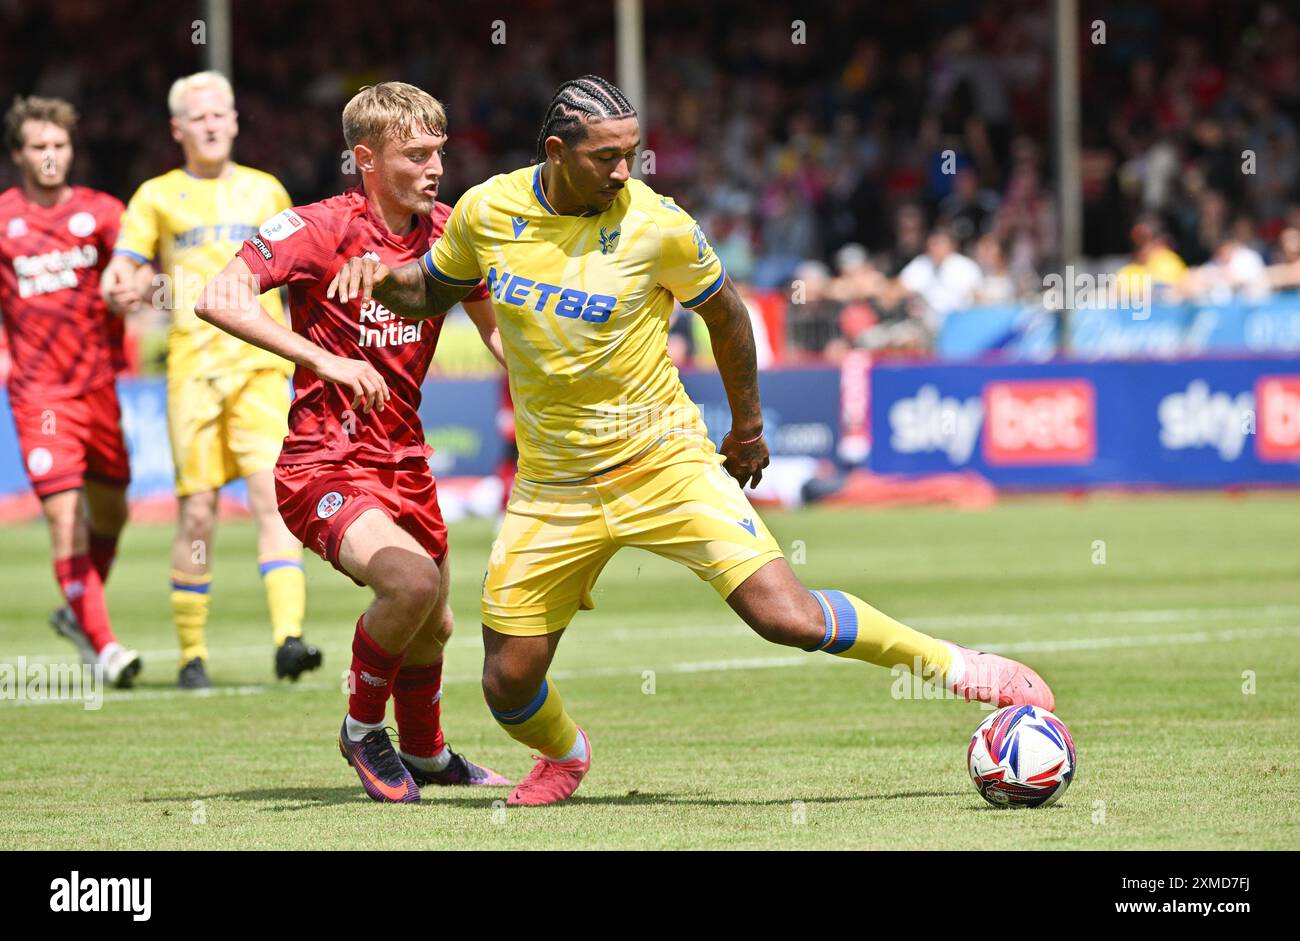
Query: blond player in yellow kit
{"points": [[583, 264], [227, 401]]}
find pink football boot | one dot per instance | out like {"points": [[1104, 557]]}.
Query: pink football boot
{"points": [[999, 681], [551, 781]]}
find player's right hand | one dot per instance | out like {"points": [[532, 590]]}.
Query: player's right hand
{"points": [[364, 382], [357, 278], [119, 292]]}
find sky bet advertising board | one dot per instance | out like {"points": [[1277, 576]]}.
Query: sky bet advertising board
{"points": [[1184, 424]]}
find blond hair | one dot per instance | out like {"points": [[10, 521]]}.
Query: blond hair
{"points": [[54, 110], [199, 80], [391, 110]]}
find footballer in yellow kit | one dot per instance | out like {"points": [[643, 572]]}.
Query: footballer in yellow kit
{"points": [[586, 334], [584, 264], [227, 401]]}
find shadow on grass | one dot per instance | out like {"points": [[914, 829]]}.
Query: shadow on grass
{"points": [[986, 807], [287, 798], [157, 682], [636, 797], [305, 798]]}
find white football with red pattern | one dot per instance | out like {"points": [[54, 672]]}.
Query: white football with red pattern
{"points": [[1021, 756]]}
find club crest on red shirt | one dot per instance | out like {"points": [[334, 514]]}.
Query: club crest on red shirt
{"points": [[329, 504], [81, 224]]}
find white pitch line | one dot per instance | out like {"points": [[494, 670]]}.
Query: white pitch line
{"points": [[1187, 639], [1142, 640], [470, 639], [1134, 616]]}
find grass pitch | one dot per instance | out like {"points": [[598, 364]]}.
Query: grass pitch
{"points": [[1168, 626]]}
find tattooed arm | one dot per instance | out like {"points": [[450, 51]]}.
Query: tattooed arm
{"points": [[732, 339], [406, 291]]}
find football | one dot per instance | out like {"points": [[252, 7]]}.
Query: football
{"points": [[1021, 756]]}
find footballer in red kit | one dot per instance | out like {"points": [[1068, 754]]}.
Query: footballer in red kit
{"points": [[66, 347], [333, 466], [353, 478]]}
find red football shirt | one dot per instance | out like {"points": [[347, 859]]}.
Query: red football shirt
{"points": [[63, 339], [304, 248]]}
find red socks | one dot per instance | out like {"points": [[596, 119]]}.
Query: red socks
{"points": [[84, 592], [416, 692], [417, 698], [373, 670], [103, 550]]}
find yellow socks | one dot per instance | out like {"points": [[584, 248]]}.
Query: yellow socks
{"points": [[858, 631], [190, 612], [543, 724], [286, 595]]}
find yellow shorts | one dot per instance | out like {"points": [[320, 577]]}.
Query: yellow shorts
{"points": [[226, 427], [675, 500]]}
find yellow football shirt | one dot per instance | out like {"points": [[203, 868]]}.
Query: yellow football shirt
{"points": [[190, 228], [583, 304], [1162, 265]]}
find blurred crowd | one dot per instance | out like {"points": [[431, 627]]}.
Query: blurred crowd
{"points": [[875, 166]]}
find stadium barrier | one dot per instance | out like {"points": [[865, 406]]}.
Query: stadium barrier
{"points": [[1164, 331], [1201, 422]]}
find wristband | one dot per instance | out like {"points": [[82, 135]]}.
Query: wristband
{"points": [[738, 441]]}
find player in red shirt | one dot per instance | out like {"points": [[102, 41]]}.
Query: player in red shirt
{"points": [[353, 478], [66, 347]]}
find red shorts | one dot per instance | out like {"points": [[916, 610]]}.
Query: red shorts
{"points": [[66, 442], [320, 501]]}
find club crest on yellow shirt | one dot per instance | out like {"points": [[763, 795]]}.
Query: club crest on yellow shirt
{"points": [[608, 240]]}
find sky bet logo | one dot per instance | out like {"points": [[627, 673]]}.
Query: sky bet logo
{"points": [[1203, 417], [1279, 418], [1040, 421], [519, 292], [1029, 422]]}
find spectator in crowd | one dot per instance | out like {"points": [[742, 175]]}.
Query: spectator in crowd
{"points": [[1026, 220], [969, 210], [812, 319], [856, 277], [1202, 218], [788, 234], [732, 239], [941, 279], [1235, 272], [1153, 259], [1284, 273], [1271, 139], [909, 238], [875, 312], [996, 285]]}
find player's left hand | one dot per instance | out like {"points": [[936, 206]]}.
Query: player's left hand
{"points": [[745, 461], [365, 384], [357, 278]]}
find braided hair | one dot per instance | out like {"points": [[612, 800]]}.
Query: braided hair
{"points": [[577, 101]]}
